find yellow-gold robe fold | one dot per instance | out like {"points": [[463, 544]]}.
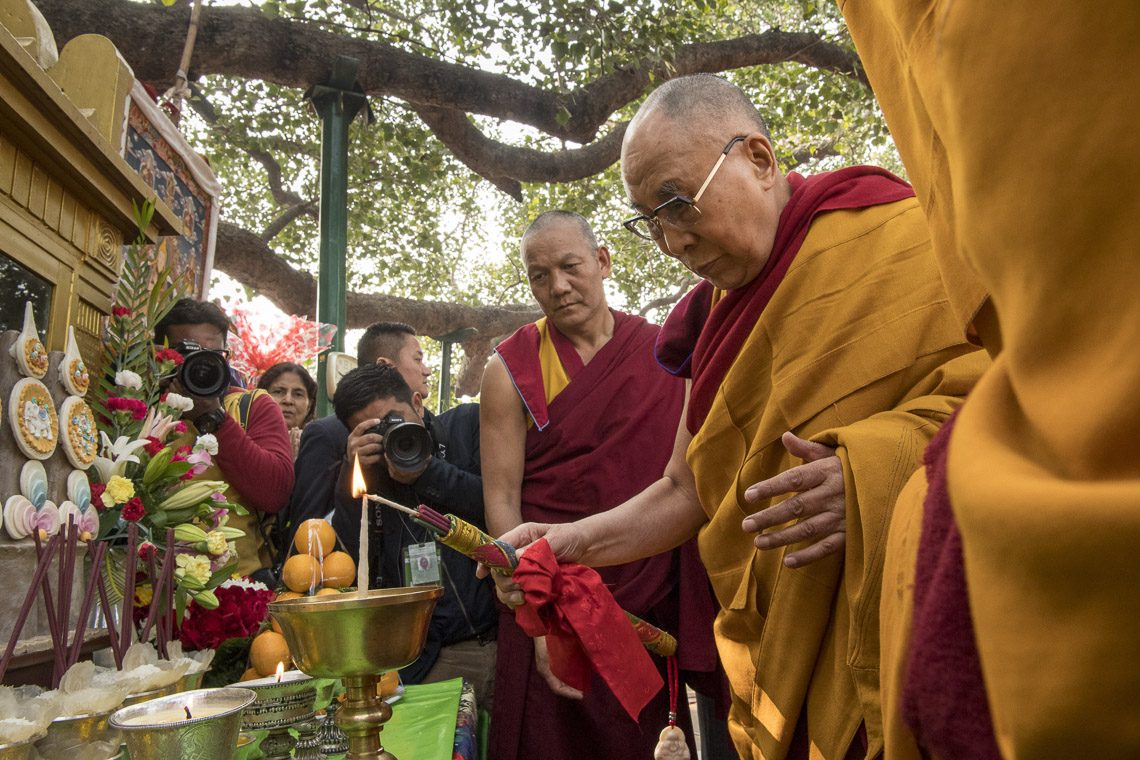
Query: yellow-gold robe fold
{"points": [[1017, 122], [858, 348]]}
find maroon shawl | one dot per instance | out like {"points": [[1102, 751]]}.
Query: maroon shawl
{"points": [[701, 341], [609, 435], [944, 697]]}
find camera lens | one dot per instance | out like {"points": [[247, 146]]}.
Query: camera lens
{"points": [[407, 446], [205, 374]]}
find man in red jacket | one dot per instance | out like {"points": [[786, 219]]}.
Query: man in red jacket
{"points": [[254, 453]]}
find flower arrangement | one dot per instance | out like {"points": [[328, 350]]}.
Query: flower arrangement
{"points": [[243, 606], [146, 478]]}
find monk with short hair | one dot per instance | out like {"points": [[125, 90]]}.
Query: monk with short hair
{"points": [[823, 355], [576, 417]]}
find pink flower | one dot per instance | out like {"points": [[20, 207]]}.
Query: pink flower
{"points": [[201, 461], [133, 510], [180, 427]]}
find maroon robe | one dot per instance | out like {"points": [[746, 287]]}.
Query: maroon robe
{"points": [[609, 435]]}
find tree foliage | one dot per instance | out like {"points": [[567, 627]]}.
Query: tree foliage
{"points": [[439, 188]]}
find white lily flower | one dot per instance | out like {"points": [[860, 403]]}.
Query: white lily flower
{"points": [[127, 379], [158, 426], [115, 456], [179, 402], [208, 443]]}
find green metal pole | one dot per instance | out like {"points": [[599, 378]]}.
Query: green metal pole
{"points": [[446, 342], [337, 103], [445, 378]]}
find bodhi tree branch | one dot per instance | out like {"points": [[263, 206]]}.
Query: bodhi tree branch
{"points": [[243, 42], [247, 258]]}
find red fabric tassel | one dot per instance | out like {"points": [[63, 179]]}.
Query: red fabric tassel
{"points": [[585, 628]]}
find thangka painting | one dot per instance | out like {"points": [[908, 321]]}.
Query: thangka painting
{"points": [[183, 181]]}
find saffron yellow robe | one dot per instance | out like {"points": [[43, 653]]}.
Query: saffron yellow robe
{"points": [[1017, 123], [858, 348]]}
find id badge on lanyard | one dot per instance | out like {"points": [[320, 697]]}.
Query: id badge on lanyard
{"points": [[421, 564]]}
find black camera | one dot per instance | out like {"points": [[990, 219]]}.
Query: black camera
{"points": [[204, 373], [407, 445]]}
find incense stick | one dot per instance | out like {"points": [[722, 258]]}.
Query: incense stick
{"points": [[26, 607], [88, 599]]}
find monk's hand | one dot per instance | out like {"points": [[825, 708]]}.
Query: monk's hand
{"points": [[368, 446], [542, 662], [818, 506]]}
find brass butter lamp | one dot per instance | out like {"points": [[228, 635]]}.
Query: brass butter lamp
{"points": [[357, 637]]}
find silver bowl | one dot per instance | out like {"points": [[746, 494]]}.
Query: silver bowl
{"points": [[19, 750], [153, 732], [65, 734]]}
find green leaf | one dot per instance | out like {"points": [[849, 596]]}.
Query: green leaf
{"points": [[222, 575]]}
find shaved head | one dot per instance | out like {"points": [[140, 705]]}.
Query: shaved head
{"points": [[549, 219], [703, 100]]}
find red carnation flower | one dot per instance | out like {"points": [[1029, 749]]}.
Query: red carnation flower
{"points": [[97, 490], [120, 311], [146, 548], [133, 406], [168, 355], [154, 445], [239, 614], [181, 453], [133, 510], [180, 427]]}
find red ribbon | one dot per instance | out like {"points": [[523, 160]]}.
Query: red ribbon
{"points": [[585, 628]]}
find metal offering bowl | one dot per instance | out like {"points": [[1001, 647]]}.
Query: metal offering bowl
{"points": [[19, 750], [66, 733], [146, 696], [213, 735], [357, 633], [357, 637], [279, 703]]}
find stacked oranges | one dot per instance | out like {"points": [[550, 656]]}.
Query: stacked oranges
{"points": [[316, 569]]}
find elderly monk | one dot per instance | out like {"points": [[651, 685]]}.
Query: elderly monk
{"points": [[1017, 123], [576, 417], [822, 333]]}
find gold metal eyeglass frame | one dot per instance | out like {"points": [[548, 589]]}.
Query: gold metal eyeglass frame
{"points": [[653, 223]]}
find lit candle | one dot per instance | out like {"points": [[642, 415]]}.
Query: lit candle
{"points": [[280, 671], [173, 715], [359, 488]]}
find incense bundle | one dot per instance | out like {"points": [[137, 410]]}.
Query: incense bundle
{"points": [[502, 558]]}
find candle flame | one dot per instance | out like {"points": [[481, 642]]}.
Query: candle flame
{"points": [[280, 671], [359, 487]]}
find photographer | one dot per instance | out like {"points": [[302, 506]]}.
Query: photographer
{"points": [[254, 455], [403, 461]]}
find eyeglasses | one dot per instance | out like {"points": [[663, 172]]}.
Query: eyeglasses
{"points": [[679, 211]]}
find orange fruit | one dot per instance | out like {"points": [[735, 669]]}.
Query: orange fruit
{"points": [[388, 684], [301, 572], [268, 649], [287, 595], [328, 591], [315, 537], [249, 675], [275, 626], [338, 570]]}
